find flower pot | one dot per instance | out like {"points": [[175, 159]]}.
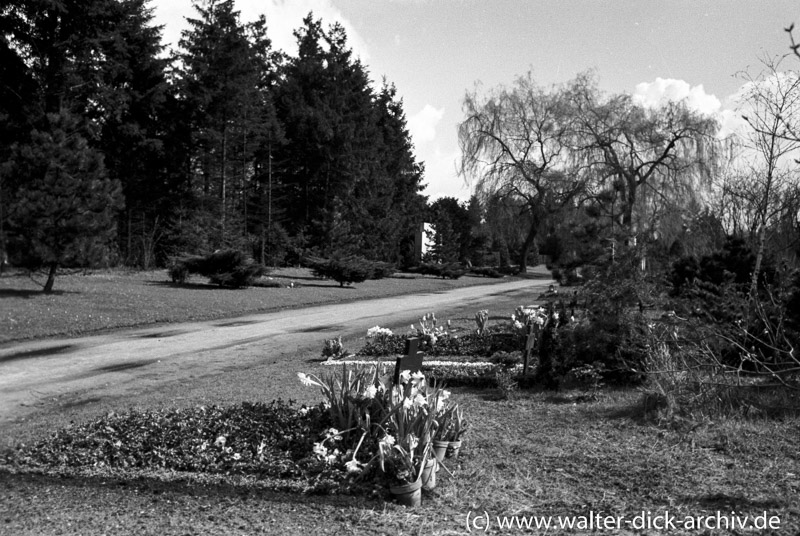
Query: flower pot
{"points": [[439, 449], [453, 447], [408, 494], [429, 474]]}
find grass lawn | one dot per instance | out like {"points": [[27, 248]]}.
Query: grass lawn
{"points": [[537, 454], [119, 299]]}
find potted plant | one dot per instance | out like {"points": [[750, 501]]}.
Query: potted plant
{"points": [[444, 419], [398, 458], [457, 428]]}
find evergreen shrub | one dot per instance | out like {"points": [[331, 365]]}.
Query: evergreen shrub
{"points": [[226, 268], [344, 270]]}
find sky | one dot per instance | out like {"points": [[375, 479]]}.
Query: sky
{"points": [[434, 51]]}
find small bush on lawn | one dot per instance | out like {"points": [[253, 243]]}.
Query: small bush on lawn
{"points": [[228, 268], [343, 270]]}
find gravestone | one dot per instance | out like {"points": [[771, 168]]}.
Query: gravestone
{"points": [[411, 360]]}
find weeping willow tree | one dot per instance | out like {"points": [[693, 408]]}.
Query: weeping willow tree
{"points": [[519, 143]]}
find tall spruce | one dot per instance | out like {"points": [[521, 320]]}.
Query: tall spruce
{"points": [[223, 81], [347, 154]]}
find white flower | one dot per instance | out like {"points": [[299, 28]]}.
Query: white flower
{"points": [[353, 466], [407, 403], [405, 376], [237, 456], [518, 324], [420, 401], [388, 440], [412, 441], [444, 394], [303, 411], [333, 433], [332, 457], [306, 380], [418, 376], [370, 392], [220, 442], [412, 327], [555, 316], [320, 450]]}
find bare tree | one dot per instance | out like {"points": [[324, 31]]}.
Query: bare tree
{"points": [[771, 106], [519, 143]]}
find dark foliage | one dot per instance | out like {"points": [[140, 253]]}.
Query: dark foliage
{"points": [[343, 270], [486, 271], [445, 271], [229, 268], [734, 263], [267, 440]]}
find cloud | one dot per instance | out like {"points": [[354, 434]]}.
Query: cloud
{"points": [[422, 125], [283, 18], [669, 89], [664, 90]]}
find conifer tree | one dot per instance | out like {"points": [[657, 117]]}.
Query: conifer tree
{"points": [[65, 207]]}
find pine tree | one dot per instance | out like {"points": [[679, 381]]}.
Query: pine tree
{"points": [[63, 213]]}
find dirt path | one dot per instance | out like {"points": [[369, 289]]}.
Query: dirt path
{"points": [[36, 374]]}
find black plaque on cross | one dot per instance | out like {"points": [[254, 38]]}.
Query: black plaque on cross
{"points": [[411, 361]]}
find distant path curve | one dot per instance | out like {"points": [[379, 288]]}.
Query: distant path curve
{"points": [[34, 372]]}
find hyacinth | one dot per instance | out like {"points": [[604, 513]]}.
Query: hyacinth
{"points": [[307, 380]]}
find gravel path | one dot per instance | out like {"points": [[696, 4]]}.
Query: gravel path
{"points": [[37, 374]]}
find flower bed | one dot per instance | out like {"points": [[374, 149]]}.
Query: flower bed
{"points": [[365, 436]]}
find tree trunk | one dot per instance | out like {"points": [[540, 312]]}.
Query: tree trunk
{"points": [[51, 278], [526, 246]]}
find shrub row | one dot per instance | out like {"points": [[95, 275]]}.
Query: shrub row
{"points": [[445, 271]]}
